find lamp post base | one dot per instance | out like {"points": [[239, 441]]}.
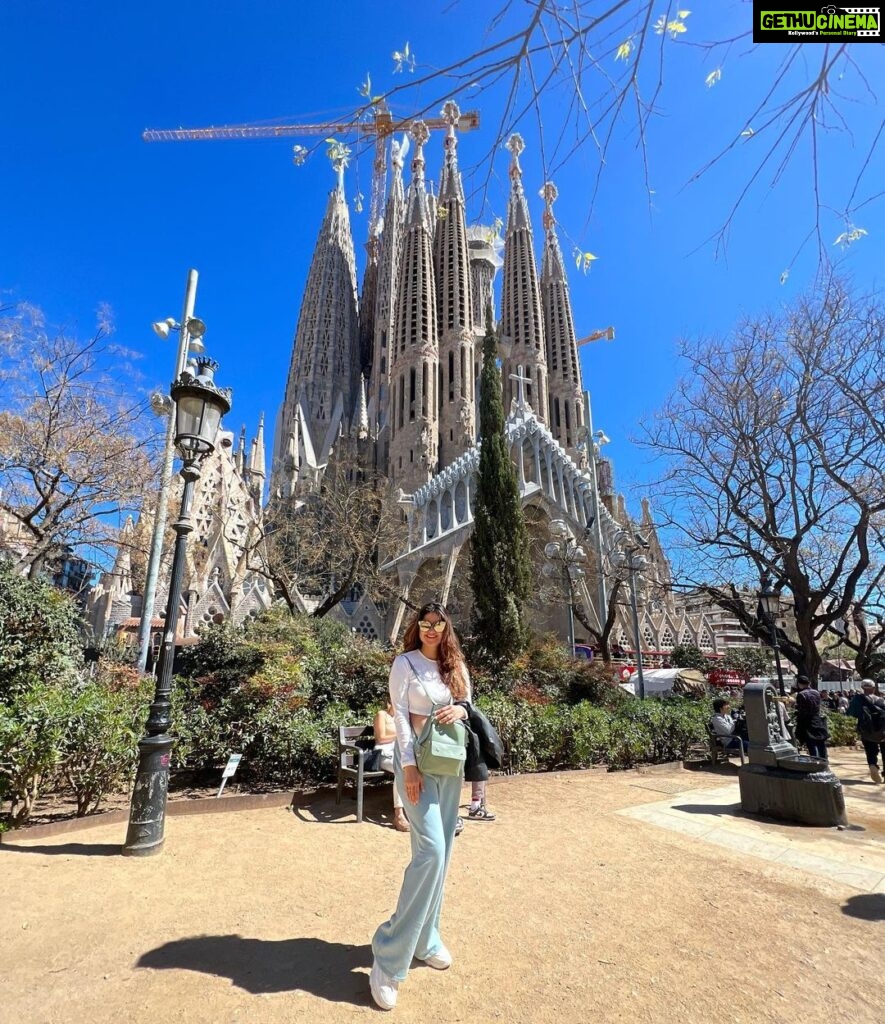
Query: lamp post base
{"points": [[147, 818]]}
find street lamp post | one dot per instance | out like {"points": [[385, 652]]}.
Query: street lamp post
{"points": [[199, 407], [566, 551], [629, 558], [770, 600], [190, 331]]}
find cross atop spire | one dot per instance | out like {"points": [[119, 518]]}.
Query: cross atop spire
{"points": [[450, 179], [451, 114], [420, 133], [339, 155], [549, 193], [516, 145]]}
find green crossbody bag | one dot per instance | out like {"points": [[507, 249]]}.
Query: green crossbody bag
{"points": [[440, 749]]}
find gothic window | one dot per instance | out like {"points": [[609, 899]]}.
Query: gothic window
{"points": [[402, 398], [706, 644], [647, 637], [686, 636], [412, 393], [667, 640], [365, 628], [464, 389], [451, 376], [556, 411]]}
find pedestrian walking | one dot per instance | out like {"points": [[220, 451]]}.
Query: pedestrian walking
{"points": [[869, 710], [811, 726], [429, 753]]}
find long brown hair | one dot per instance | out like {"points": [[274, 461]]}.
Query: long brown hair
{"points": [[452, 668]]}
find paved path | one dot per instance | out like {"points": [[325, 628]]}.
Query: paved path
{"points": [[575, 906], [854, 857]]}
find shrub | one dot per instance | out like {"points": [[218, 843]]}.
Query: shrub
{"points": [[515, 724], [32, 734], [843, 730], [627, 733], [295, 745], [102, 729], [39, 639]]}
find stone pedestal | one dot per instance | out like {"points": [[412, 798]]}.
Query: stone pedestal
{"points": [[809, 798]]}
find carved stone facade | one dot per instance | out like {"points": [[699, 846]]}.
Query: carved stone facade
{"points": [[220, 581], [413, 405]]}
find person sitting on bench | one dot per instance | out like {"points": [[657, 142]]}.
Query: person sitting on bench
{"points": [[385, 737], [723, 725]]}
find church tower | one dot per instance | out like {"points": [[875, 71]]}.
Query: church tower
{"points": [[457, 424], [522, 324], [414, 353], [391, 242], [566, 419], [325, 368]]}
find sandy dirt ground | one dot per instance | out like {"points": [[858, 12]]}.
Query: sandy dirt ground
{"points": [[561, 910]]}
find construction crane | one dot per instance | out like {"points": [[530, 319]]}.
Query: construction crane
{"points": [[606, 332], [381, 126]]}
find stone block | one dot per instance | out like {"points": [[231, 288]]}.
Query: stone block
{"points": [[815, 798]]}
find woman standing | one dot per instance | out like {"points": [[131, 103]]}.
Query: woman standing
{"points": [[430, 673]]}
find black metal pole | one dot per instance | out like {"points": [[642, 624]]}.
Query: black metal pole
{"points": [[147, 813], [775, 646]]}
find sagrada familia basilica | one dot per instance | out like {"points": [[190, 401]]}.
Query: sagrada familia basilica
{"points": [[389, 375]]}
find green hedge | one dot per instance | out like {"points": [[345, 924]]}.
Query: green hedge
{"points": [[629, 732], [276, 691]]}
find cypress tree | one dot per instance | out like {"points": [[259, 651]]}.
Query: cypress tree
{"points": [[500, 568]]}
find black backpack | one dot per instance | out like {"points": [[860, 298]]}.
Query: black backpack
{"points": [[871, 723]]}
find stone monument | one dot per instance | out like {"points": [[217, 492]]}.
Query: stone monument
{"points": [[779, 782]]}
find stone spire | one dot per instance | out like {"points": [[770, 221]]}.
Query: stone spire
{"points": [[563, 366], [257, 470], [385, 308], [414, 354], [122, 571], [359, 427], [324, 370], [240, 458], [522, 324], [368, 299], [457, 424]]}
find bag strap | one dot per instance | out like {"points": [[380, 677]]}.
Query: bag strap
{"points": [[433, 703]]}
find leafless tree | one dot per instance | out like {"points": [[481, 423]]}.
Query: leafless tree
{"points": [[75, 443], [323, 544], [775, 463], [578, 74]]}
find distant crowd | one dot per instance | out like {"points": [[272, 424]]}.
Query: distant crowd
{"points": [[864, 703]]}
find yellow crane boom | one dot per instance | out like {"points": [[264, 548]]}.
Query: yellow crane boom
{"points": [[382, 125]]}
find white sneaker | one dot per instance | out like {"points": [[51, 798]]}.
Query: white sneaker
{"points": [[875, 775], [383, 987], [441, 960]]}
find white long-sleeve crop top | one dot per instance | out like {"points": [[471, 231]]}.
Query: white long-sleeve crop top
{"points": [[408, 697]]}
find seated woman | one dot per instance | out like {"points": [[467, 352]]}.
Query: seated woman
{"points": [[385, 738], [723, 725]]}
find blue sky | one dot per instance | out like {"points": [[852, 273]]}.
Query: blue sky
{"points": [[92, 214]]}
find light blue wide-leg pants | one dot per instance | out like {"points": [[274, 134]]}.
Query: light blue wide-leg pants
{"points": [[414, 928]]}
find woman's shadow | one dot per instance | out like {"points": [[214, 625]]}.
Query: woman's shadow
{"points": [[329, 970]]}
